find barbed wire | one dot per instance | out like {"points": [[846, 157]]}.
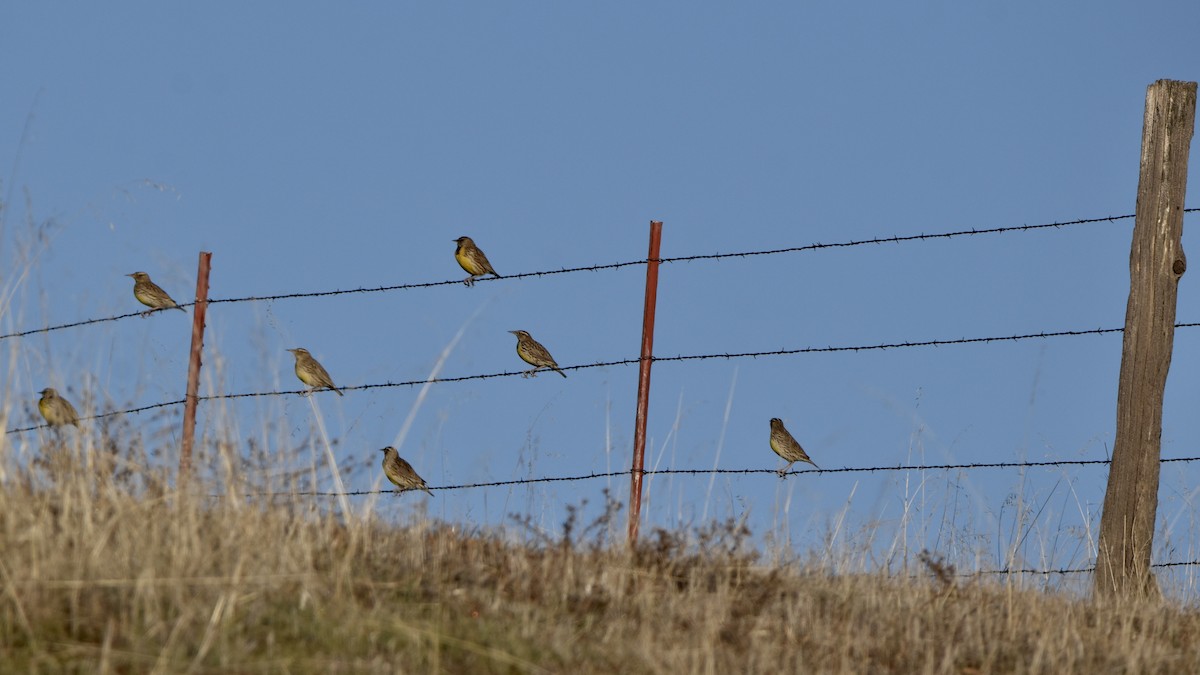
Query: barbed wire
{"points": [[1066, 570], [697, 357], [714, 471], [712, 256], [624, 362], [659, 472], [599, 267], [85, 322], [111, 413], [905, 238]]}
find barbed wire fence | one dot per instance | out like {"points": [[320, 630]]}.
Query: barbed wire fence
{"points": [[679, 358], [707, 472], [627, 362], [896, 239], [1061, 571]]}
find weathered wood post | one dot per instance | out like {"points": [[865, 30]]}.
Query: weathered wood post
{"points": [[1156, 263]]}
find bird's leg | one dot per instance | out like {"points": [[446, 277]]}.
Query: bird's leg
{"points": [[469, 281]]}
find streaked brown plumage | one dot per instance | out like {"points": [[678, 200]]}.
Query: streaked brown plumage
{"points": [[149, 294], [400, 472], [312, 373], [56, 409], [532, 352], [786, 447], [472, 260]]}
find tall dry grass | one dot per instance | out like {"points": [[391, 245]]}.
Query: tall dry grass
{"points": [[107, 568]]}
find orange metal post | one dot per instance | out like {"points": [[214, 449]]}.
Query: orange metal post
{"points": [[643, 400], [193, 382]]}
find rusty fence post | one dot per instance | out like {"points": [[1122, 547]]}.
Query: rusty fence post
{"points": [[643, 399], [193, 381]]}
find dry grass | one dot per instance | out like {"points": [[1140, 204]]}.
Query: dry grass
{"points": [[106, 569]]}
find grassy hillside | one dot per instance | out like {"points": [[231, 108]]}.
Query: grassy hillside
{"points": [[104, 569]]}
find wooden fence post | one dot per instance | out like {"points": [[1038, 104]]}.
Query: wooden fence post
{"points": [[1156, 262], [193, 381]]}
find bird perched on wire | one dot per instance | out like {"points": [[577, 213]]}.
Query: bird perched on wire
{"points": [[472, 260], [532, 352], [312, 373], [149, 294], [56, 409], [786, 447], [401, 473]]}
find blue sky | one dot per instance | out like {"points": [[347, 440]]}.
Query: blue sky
{"points": [[323, 148]]}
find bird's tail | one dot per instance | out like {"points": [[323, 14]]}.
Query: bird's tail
{"points": [[181, 309], [339, 391], [560, 372]]}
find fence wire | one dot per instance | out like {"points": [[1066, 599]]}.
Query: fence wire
{"points": [[1063, 571], [600, 267], [721, 472], [626, 362]]}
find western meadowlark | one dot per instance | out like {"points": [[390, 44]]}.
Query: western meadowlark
{"points": [[786, 447], [401, 472], [472, 260], [149, 294], [56, 409], [532, 352], [311, 373]]}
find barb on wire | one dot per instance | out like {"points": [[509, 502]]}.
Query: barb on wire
{"points": [[610, 266], [626, 362]]}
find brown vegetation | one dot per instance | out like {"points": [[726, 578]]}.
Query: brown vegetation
{"points": [[121, 574]]}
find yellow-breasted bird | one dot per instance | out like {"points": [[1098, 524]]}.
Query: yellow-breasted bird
{"points": [[400, 472], [532, 352], [149, 294], [312, 373], [786, 447], [56, 409], [472, 260]]}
